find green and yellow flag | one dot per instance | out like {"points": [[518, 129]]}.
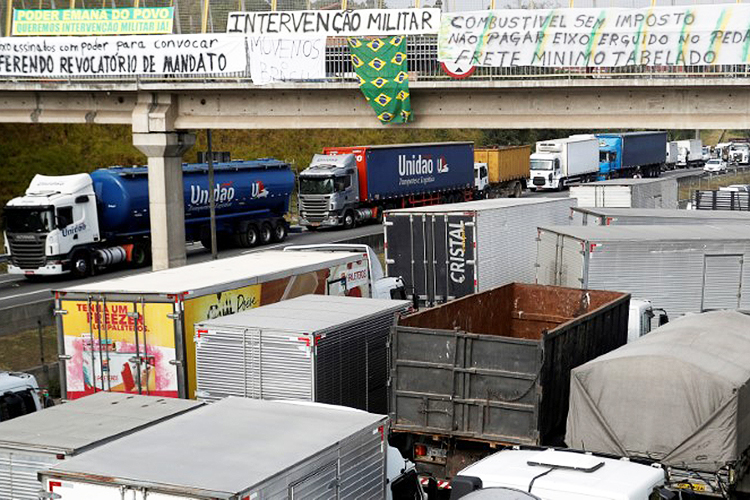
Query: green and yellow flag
{"points": [[380, 65]]}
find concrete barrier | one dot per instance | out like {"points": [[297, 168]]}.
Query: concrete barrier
{"points": [[25, 317]]}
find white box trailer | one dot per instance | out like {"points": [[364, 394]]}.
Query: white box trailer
{"points": [[313, 348], [673, 152], [41, 440], [443, 252], [679, 268], [690, 152], [135, 334], [236, 449], [605, 216], [627, 193]]}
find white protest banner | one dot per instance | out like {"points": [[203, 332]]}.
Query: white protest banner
{"points": [[360, 22], [611, 37], [284, 59], [123, 55]]}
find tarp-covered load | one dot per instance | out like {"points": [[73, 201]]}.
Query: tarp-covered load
{"points": [[679, 395]]}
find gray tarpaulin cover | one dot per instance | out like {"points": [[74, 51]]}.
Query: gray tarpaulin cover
{"points": [[679, 395]]}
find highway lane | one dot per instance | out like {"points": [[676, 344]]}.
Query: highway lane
{"points": [[16, 290]]}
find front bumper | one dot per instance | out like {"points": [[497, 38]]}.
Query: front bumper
{"points": [[50, 269], [330, 221]]}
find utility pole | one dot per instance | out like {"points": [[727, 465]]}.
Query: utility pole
{"points": [[211, 195]]}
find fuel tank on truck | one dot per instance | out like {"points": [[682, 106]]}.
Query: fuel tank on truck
{"points": [[258, 188]]}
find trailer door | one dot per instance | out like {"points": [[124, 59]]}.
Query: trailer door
{"points": [[560, 260], [722, 282]]}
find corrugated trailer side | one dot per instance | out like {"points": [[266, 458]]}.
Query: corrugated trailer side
{"points": [[494, 368]]}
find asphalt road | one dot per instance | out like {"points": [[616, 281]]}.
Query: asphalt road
{"points": [[16, 290]]}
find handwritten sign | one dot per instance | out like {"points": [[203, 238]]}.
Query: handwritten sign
{"points": [[124, 55], [125, 21], [611, 37], [360, 22], [286, 59]]}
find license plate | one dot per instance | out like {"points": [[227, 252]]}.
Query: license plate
{"points": [[315, 224]]}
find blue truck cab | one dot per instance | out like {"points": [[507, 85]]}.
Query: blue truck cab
{"points": [[626, 154]]}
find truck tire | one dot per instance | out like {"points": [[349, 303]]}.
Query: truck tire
{"points": [[349, 220], [517, 190], [280, 231], [139, 256], [81, 264], [251, 236], [266, 233]]}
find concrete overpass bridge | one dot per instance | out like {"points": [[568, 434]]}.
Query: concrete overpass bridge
{"points": [[163, 112]]}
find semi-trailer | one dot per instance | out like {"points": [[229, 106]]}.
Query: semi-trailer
{"points": [[678, 397], [447, 251], [501, 171], [345, 186], [237, 449], [679, 268], [36, 442], [605, 216], [493, 369], [135, 334], [315, 348], [559, 162], [84, 222], [627, 193], [673, 152], [628, 154]]}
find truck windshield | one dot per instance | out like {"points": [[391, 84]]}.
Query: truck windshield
{"points": [[541, 164], [316, 185], [28, 220]]}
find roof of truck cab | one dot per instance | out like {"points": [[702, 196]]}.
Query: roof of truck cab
{"points": [[479, 205], [307, 314], [667, 232], [232, 272], [612, 480], [666, 213], [74, 426], [222, 449]]}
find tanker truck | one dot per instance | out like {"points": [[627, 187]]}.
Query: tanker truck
{"points": [[82, 223]]}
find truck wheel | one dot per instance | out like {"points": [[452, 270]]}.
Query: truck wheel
{"points": [[266, 233], [251, 236], [517, 190], [81, 264], [349, 220], [280, 231], [139, 255]]}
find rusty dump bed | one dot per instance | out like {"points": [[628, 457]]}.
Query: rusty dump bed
{"points": [[495, 366]]}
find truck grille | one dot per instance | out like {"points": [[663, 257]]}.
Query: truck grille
{"points": [[316, 209], [27, 253], [539, 181]]}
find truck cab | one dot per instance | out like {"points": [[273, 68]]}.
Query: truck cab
{"points": [[546, 171], [45, 227], [560, 475], [19, 395], [329, 192], [609, 157], [481, 179], [640, 318]]}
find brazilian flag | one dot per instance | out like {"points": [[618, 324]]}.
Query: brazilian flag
{"points": [[380, 65]]}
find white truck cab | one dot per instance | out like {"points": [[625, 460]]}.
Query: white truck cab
{"points": [[560, 475], [481, 178], [44, 226], [382, 286], [19, 395], [640, 318]]}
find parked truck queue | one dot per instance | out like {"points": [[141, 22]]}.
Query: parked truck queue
{"points": [[586, 346]]}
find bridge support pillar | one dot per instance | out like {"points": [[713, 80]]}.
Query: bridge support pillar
{"points": [[165, 191]]}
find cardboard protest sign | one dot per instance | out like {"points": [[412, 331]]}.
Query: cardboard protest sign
{"points": [[609, 37], [274, 59], [123, 55]]}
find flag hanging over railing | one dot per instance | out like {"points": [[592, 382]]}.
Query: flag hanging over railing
{"points": [[380, 64]]}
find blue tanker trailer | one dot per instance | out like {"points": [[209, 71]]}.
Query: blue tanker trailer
{"points": [[82, 222]]}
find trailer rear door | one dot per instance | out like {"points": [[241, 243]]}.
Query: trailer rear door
{"points": [[722, 281], [560, 260]]}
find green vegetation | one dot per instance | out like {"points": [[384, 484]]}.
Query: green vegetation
{"points": [[20, 351]]}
